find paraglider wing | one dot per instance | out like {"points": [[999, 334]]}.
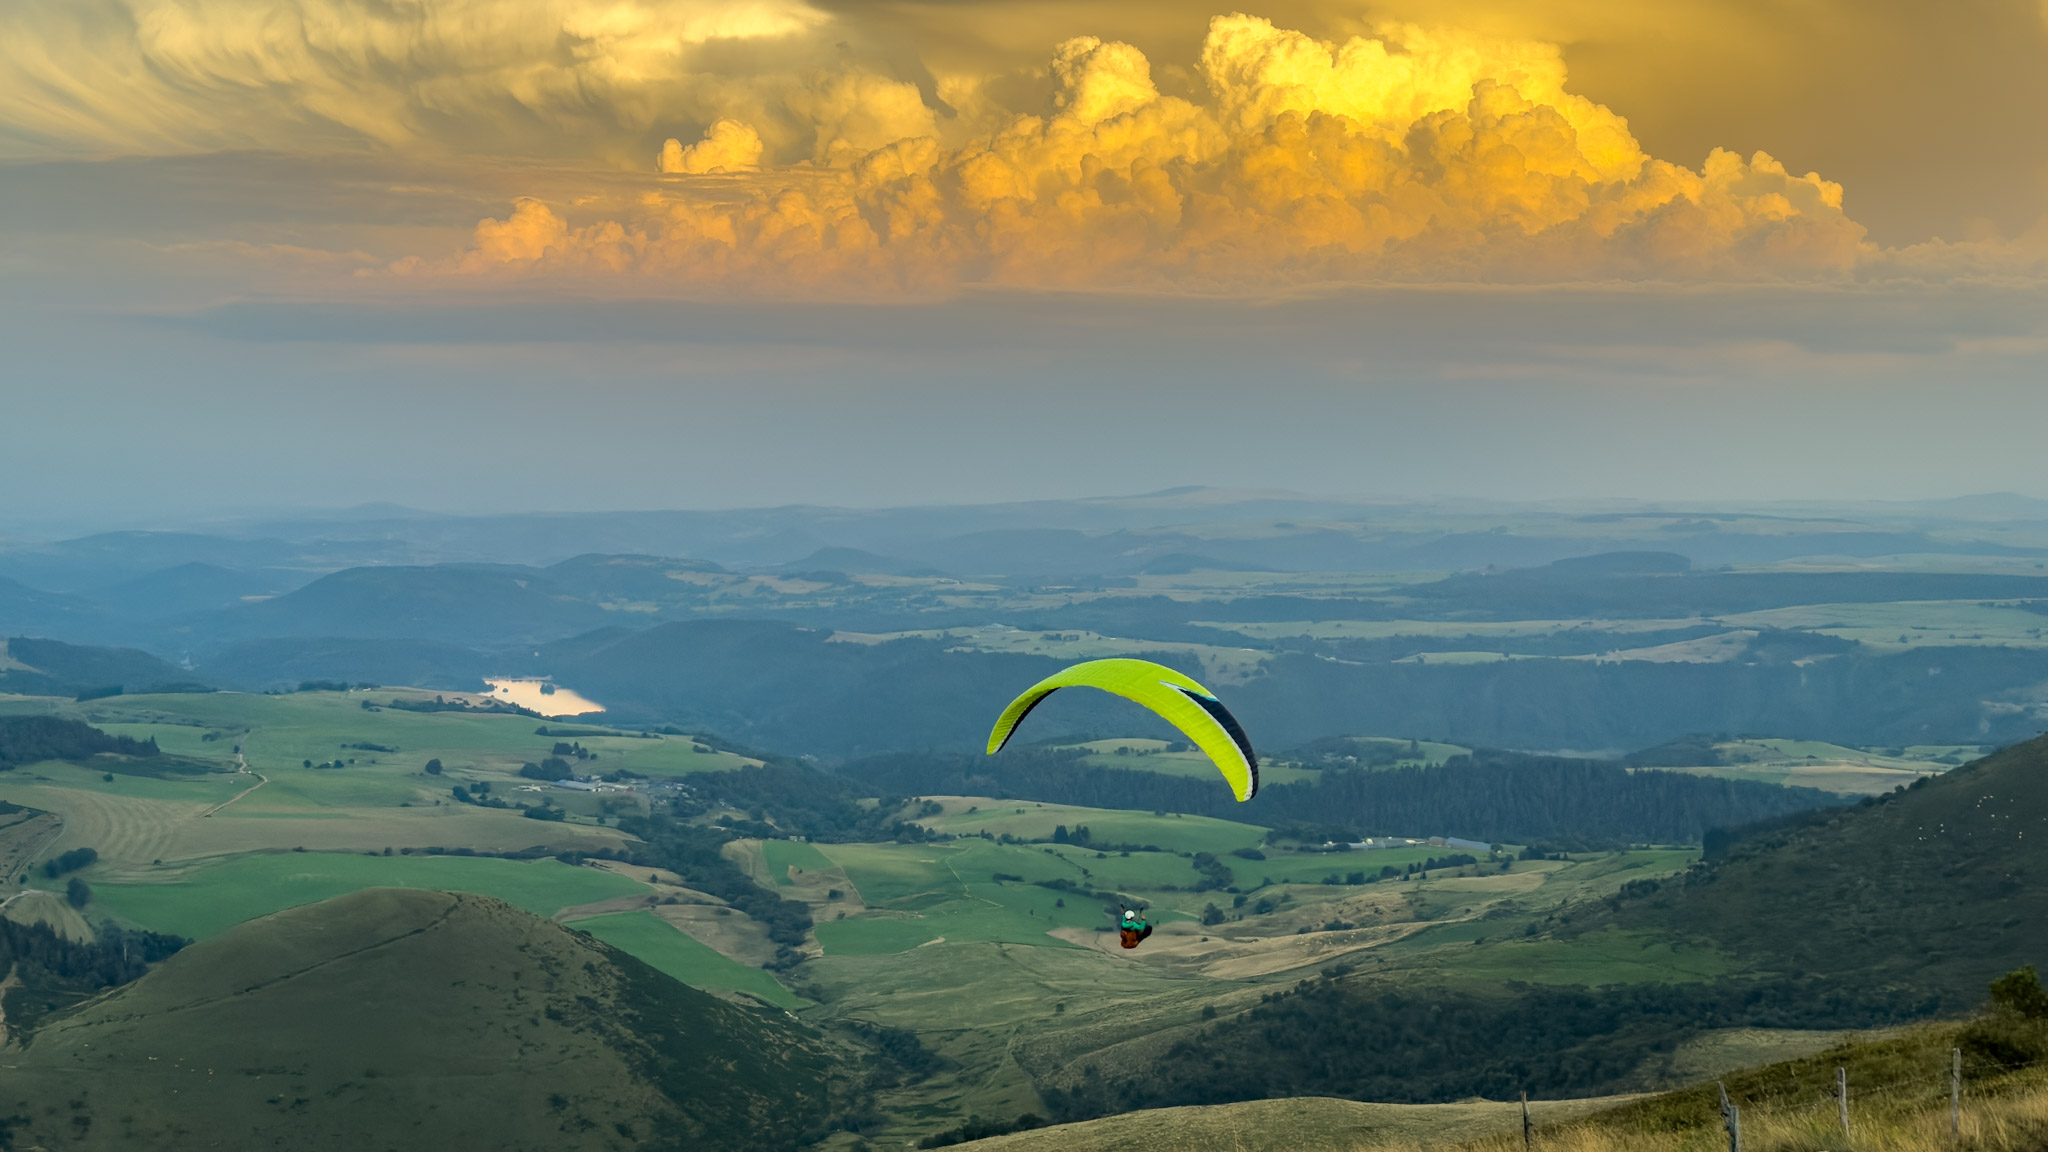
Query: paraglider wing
{"points": [[1176, 698]]}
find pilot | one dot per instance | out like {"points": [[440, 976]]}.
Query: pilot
{"points": [[1134, 928]]}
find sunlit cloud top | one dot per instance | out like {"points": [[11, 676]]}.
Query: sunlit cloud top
{"points": [[1414, 155], [768, 147]]}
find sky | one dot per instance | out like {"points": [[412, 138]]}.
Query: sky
{"points": [[484, 255]]}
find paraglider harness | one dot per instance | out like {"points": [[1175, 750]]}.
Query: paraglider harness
{"points": [[1133, 928]]}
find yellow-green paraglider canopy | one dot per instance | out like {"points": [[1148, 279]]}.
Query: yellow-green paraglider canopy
{"points": [[1178, 699]]}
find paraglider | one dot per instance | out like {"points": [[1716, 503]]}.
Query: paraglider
{"points": [[1133, 928], [1178, 699]]}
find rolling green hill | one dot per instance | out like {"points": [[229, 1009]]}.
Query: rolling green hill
{"points": [[394, 1019], [1934, 889]]}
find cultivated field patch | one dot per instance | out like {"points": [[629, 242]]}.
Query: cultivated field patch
{"points": [[202, 901]]}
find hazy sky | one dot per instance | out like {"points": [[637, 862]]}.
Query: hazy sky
{"points": [[495, 254]]}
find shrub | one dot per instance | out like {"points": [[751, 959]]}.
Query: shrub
{"points": [[2015, 1031], [551, 768], [2020, 993], [70, 861]]}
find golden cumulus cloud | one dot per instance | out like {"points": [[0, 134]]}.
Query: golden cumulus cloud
{"points": [[1412, 155], [784, 148]]}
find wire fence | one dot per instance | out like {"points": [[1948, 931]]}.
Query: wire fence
{"points": [[1944, 1091]]}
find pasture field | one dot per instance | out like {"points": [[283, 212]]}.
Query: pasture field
{"points": [[1031, 820], [208, 899], [1904, 624], [380, 796], [667, 949], [971, 890], [1143, 755], [23, 837], [1437, 629], [1221, 664], [1595, 959], [279, 732], [1830, 767], [783, 855]]}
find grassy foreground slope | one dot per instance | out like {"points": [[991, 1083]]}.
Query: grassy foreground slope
{"points": [[1301, 1124], [1935, 889], [1898, 1102], [407, 1019]]}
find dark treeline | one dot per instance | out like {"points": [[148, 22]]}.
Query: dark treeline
{"points": [[28, 739], [1498, 796], [779, 799], [692, 852], [56, 972], [1333, 1038], [70, 861]]}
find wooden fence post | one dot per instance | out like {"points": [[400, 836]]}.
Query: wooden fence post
{"points": [[1955, 1093], [1842, 1098], [1731, 1118], [1528, 1129]]}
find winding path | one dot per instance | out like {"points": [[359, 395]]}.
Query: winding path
{"points": [[242, 765]]}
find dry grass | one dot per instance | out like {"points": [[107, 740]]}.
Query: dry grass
{"points": [[2001, 1116]]}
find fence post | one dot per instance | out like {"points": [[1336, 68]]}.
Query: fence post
{"points": [[1731, 1119], [1842, 1098], [1528, 1129], [1955, 1093]]}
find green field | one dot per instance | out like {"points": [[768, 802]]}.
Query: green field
{"points": [[918, 893], [1030, 820], [207, 900], [380, 796], [646, 937], [782, 855]]}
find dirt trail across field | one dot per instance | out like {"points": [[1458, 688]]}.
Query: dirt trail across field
{"points": [[242, 766], [24, 839]]}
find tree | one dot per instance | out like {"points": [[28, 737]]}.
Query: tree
{"points": [[309, 764], [2020, 992], [550, 768], [78, 893], [1211, 914], [434, 767], [70, 861]]}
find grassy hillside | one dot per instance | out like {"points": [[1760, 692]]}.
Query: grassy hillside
{"points": [[1898, 1102], [48, 667], [400, 1019], [1301, 1124], [1933, 890]]}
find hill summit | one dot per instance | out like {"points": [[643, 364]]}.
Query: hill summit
{"points": [[401, 1019]]}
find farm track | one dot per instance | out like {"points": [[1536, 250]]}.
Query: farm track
{"points": [[24, 840], [242, 765]]}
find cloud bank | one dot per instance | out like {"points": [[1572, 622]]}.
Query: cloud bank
{"points": [[1412, 155], [778, 147]]}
